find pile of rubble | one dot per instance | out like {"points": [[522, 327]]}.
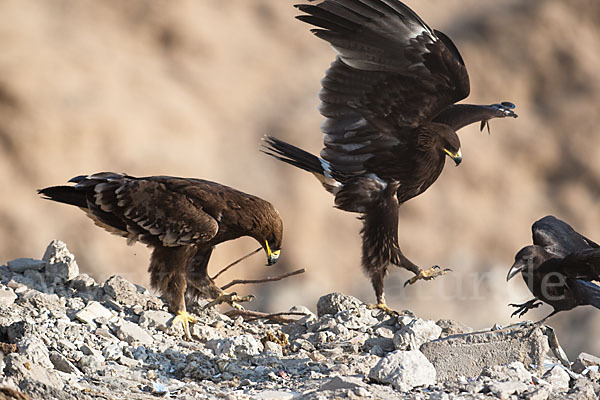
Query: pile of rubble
{"points": [[64, 336]]}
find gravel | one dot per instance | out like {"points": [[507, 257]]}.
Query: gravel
{"points": [[65, 336]]}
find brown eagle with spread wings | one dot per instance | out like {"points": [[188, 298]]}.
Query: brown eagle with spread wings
{"points": [[388, 99], [182, 219]]}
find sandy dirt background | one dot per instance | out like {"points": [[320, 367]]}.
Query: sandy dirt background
{"points": [[188, 88]]}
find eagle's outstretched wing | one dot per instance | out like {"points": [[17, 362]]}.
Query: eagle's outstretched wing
{"points": [[392, 73]]}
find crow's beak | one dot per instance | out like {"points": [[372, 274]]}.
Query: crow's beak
{"points": [[456, 157], [517, 267]]}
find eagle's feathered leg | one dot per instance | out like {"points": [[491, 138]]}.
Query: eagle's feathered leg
{"points": [[200, 285], [172, 282]]}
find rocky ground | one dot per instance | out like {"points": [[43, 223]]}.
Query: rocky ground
{"points": [[65, 336]]}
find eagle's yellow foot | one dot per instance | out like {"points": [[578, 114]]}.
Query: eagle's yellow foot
{"points": [[427, 274], [383, 307], [185, 319], [230, 298]]}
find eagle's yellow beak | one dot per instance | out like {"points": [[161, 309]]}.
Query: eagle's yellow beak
{"points": [[272, 256], [457, 157]]}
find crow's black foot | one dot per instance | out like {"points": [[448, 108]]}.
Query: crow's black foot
{"points": [[521, 309], [427, 274]]}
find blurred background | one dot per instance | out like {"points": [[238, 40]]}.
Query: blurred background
{"points": [[188, 88]]}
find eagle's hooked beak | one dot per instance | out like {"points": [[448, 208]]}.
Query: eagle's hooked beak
{"points": [[272, 256], [457, 157], [518, 266]]}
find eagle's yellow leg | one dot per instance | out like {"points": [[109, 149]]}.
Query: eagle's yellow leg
{"points": [[427, 274], [383, 307], [185, 318], [230, 298]]}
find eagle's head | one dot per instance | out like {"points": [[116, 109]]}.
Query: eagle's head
{"points": [[439, 139], [269, 233], [450, 144]]}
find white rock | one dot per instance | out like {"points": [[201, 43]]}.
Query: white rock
{"points": [[133, 333], [92, 311], [504, 390], [7, 297], [404, 370], [343, 382], [416, 332], [61, 265], [274, 395], [243, 346], [558, 378]]}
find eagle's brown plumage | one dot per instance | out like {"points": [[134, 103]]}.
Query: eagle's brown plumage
{"points": [[388, 99], [182, 219]]}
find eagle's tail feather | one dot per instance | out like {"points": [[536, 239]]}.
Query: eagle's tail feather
{"points": [[293, 155], [64, 194]]}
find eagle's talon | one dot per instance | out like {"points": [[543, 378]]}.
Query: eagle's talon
{"points": [[383, 307], [428, 274], [185, 318]]}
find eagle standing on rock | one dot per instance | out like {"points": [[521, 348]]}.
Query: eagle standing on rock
{"points": [[182, 219], [388, 99]]}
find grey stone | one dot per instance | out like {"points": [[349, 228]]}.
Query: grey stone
{"points": [[404, 370], [558, 378], [133, 334], [467, 354], [36, 351], [335, 302], [7, 296], [156, 319], [82, 282], [343, 382], [514, 371], [92, 311], [274, 348], [274, 395], [583, 361], [242, 346], [63, 364], [61, 265], [89, 364], [415, 333], [503, 390], [122, 291], [128, 362], [204, 333], [451, 327], [385, 344], [19, 367], [21, 265]]}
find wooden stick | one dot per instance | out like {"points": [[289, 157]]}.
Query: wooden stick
{"points": [[239, 260], [250, 315], [267, 279]]}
